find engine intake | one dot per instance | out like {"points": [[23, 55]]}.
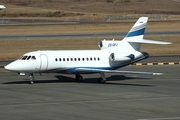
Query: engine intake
{"points": [[108, 44]]}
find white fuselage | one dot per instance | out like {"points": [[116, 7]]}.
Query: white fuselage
{"points": [[112, 55], [66, 61]]}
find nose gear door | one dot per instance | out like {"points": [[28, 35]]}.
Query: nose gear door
{"points": [[43, 62]]}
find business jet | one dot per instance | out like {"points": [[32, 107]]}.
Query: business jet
{"points": [[111, 56], [2, 7]]}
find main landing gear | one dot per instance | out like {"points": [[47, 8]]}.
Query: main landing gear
{"points": [[102, 79], [79, 78], [31, 76]]}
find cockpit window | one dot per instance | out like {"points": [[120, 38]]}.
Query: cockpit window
{"points": [[20, 58], [28, 57], [33, 58], [24, 57]]}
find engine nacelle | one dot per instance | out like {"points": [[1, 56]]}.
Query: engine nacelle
{"points": [[108, 44], [118, 57]]}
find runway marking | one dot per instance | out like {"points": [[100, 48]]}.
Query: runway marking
{"points": [[157, 63], [170, 118], [160, 63]]}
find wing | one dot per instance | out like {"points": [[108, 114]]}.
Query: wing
{"points": [[92, 70]]}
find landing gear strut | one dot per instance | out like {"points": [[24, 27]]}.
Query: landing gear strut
{"points": [[31, 76], [102, 79], [79, 78]]}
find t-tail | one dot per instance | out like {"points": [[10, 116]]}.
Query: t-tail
{"points": [[133, 39], [135, 36]]}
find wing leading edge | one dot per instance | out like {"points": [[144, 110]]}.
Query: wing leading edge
{"points": [[82, 70]]}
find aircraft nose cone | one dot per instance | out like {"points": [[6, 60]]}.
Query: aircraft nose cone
{"points": [[9, 67], [12, 66]]}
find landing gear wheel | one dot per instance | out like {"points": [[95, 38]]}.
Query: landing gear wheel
{"points": [[100, 80], [31, 82], [79, 78], [31, 76]]}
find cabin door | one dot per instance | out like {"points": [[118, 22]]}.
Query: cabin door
{"points": [[44, 62]]}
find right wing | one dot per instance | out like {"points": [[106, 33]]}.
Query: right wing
{"points": [[93, 70]]}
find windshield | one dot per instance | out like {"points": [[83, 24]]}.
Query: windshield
{"points": [[30, 57]]}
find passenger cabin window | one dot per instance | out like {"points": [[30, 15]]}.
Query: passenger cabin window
{"points": [[70, 59]]}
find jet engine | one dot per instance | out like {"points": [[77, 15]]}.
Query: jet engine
{"points": [[118, 57]]}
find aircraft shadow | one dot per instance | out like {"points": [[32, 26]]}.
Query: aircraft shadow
{"points": [[110, 80], [65, 79], [36, 81]]}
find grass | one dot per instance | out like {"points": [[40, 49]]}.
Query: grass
{"points": [[13, 49], [85, 10], [86, 28], [95, 6]]}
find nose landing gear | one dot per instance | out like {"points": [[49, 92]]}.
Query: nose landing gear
{"points": [[31, 76]]}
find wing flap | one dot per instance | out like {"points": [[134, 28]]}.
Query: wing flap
{"points": [[92, 70]]}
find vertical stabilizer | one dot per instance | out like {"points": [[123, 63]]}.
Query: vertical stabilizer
{"points": [[137, 32]]}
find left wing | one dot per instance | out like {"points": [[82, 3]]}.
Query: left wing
{"points": [[92, 70]]}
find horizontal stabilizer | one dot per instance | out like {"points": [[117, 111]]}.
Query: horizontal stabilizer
{"points": [[147, 41]]}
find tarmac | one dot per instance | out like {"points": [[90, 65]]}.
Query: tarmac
{"points": [[122, 97]]}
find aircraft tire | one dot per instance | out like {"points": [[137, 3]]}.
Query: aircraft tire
{"points": [[100, 80], [79, 78], [31, 82]]}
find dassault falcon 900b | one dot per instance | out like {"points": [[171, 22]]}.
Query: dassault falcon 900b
{"points": [[111, 56]]}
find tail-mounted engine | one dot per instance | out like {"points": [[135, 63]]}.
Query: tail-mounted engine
{"points": [[118, 57]]}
